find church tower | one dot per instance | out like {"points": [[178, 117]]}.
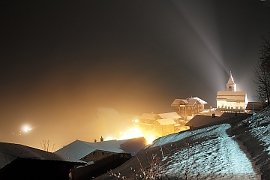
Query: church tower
{"points": [[230, 86], [231, 100]]}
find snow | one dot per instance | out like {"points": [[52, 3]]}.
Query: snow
{"points": [[262, 133], [9, 152], [217, 157], [260, 124], [79, 149], [176, 137]]}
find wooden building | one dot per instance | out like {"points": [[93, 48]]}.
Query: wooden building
{"points": [[165, 127], [160, 124], [100, 156], [255, 107], [189, 106]]}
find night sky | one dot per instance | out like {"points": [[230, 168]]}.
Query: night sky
{"points": [[81, 69]]}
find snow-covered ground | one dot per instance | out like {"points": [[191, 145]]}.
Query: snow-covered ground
{"points": [[214, 152], [260, 127], [217, 157]]}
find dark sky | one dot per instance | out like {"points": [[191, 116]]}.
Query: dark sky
{"points": [[80, 69]]}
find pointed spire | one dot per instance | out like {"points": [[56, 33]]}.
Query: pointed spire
{"points": [[230, 86], [230, 81]]}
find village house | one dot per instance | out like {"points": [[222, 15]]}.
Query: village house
{"points": [[24, 162], [188, 107], [255, 107], [231, 100], [100, 156], [215, 117], [165, 127], [161, 124], [147, 121]]}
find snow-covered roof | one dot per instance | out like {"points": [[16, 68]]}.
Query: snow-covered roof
{"points": [[166, 121], [231, 93], [10, 152], [191, 101], [79, 149], [177, 102], [188, 101], [171, 115], [200, 120], [149, 116], [200, 100]]}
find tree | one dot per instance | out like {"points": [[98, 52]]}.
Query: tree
{"points": [[46, 145], [262, 72]]}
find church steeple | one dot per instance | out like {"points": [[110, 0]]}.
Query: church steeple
{"points": [[230, 86]]}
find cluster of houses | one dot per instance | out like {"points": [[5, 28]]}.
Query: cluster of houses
{"points": [[78, 160], [82, 160], [163, 124], [190, 112]]}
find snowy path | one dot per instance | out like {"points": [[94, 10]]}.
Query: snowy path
{"points": [[218, 156]]}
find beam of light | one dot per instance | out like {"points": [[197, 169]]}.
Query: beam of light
{"points": [[208, 35]]}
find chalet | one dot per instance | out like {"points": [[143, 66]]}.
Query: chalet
{"points": [[100, 156], [160, 124], [167, 119], [255, 107], [24, 162], [147, 121], [215, 117], [201, 120], [165, 126], [231, 100], [188, 107]]}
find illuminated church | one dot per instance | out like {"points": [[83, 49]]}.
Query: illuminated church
{"points": [[231, 100]]}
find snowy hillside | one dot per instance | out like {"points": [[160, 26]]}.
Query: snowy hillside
{"points": [[260, 128], [218, 156], [234, 149]]}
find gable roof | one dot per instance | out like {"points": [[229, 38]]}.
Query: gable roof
{"points": [[166, 121], [232, 96], [149, 116], [171, 115], [231, 93], [79, 149], [188, 101], [200, 100], [177, 102], [200, 120]]}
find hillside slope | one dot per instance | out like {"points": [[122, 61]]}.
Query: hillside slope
{"points": [[237, 148]]}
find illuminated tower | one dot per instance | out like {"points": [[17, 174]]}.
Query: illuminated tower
{"points": [[230, 99], [230, 86]]}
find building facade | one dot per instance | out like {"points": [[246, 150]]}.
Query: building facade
{"points": [[231, 99], [188, 107]]}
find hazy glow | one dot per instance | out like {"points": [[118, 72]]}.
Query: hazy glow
{"points": [[133, 133], [150, 139], [26, 128]]}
